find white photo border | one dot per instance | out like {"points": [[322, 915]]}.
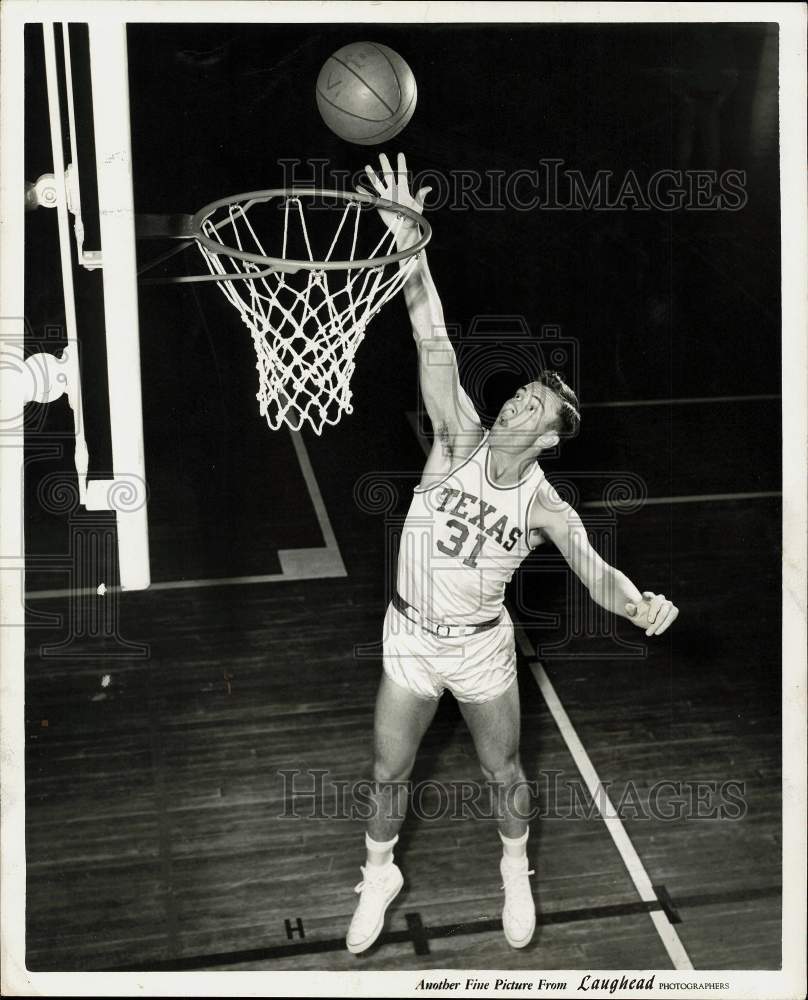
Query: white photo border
{"points": [[788, 983]]}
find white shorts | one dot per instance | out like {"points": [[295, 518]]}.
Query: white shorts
{"points": [[474, 668]]}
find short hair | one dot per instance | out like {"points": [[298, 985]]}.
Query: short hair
{"points": [[569, 412]]}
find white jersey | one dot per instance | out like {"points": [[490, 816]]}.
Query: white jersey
{"points": [[462, 541]]}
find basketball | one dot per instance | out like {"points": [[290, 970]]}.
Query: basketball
{"points": [[366, 93]]}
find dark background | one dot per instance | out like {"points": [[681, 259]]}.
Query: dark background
{"points": [[656, 300], [655, 304]]}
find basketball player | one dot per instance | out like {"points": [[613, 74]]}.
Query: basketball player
{"points": [[483, 504]]}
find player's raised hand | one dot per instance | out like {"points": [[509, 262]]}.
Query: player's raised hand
{"points": [[654, 613], [394, 185]]}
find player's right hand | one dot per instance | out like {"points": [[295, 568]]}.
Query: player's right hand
{"points": [[394, 186], [655, 613]]}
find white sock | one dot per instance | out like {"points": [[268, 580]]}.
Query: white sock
{"points": [[380, 852], [514, 849]]}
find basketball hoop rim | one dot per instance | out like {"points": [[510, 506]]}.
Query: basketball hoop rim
{"points": [[250, 198]]}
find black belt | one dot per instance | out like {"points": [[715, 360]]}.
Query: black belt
{"points": [[441, 630]]}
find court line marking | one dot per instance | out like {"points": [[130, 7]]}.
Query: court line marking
{"points": [[681, 401], [417, 930], [628, 854], [296, 564], [312, 563], [638, 503], [314, 491]]}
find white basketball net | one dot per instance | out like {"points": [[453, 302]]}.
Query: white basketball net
{"points": [[306, 327]]}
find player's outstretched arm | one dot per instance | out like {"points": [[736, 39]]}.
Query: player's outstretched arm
{"points": [[451, 411], [610, 588]]}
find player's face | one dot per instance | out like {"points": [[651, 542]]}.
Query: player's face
{"points": [[529, 412]]}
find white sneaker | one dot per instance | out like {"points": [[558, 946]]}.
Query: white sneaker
{"points": [[379, 887], [519, 911]]}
